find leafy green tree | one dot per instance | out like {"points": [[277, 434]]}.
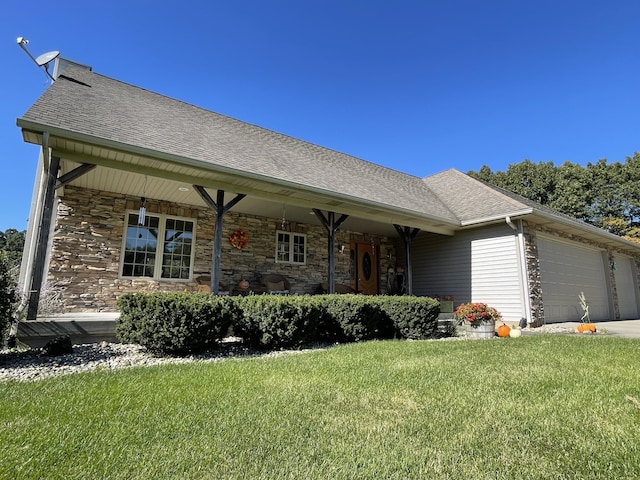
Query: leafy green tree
{"points": [[616, 225], [8, 294], [485, 174], [631, 189], [573, 193], [12, 242], [604, 194], [608, 201], [536, 181]]}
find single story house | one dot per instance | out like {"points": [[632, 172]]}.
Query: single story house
{"points": [[139, 192]]}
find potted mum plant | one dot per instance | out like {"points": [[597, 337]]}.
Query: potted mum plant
{"points": [[480, 317]]}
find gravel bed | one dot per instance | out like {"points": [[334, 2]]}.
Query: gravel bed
{"points": [[32, 364]]}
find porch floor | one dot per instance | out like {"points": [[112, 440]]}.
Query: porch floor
{"points": [[81, 327]]}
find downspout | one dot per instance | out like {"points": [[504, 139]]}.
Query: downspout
{"points": [[524, 277]]}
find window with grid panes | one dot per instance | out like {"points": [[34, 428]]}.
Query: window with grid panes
{"points": [[291, 247], [161, 248]]}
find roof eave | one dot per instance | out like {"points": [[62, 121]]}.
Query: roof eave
{"points": [[448, 224], [589, 231]]}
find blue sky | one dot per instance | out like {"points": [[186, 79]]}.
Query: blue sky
{"points": [[418, 86]]}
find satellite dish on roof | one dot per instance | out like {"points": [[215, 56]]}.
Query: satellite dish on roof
{"points": [[47, 57], [42, 60]]}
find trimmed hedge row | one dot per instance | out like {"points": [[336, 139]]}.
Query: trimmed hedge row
{"points": [[183, 323], [174, 323]]}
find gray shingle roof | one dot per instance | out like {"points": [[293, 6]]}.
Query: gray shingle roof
{"points": [[471, 200], [107, 111], [475, 202], [90, 104]]}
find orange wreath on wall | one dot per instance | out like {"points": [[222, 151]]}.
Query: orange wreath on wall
{"points": [[238, 239]]}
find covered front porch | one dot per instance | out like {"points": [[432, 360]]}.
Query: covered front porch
{"points": [[96, 209], [109, 149]]}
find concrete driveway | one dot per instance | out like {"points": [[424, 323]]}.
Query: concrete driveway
{"points": [[617, 328], [614, 328], [620, 328]]}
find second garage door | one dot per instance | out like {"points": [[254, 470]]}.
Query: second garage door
{"points": [[626, 287], [566, 269]]}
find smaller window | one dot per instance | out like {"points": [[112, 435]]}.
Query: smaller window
{"points": [[291, 247]]}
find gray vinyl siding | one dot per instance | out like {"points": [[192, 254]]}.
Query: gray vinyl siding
{"points": [[495, 273], [475, 265], [441, 265]]}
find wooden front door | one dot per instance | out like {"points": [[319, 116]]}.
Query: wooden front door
{"points": [[364, 273]]}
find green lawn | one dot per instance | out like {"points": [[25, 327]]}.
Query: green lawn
{"points": [[538, 407]]}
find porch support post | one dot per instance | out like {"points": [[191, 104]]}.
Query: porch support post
{"points": [[220, 209], [407, 234], [332, 226], [37, 274]]}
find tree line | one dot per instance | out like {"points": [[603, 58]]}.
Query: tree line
{"points": [[603, 194], [12, 243]]}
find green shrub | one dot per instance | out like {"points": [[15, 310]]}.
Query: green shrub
{"points": [[8, 295], [174, 323], [358, 317], [278, 321], [180, 323], [132, 309], [413, 318]]}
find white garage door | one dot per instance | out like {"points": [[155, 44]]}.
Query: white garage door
{"points": [[566, 269], [626, 288]]}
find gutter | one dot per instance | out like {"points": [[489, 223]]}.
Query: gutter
{"points": [[496, 218]]}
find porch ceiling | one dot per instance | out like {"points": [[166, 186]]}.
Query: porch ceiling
{"points": [[172, 180]]}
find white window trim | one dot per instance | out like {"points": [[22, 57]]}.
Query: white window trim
{"points": [[291, 244], [157, 268]]}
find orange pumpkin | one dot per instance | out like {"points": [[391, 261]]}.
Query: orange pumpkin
{"points": [[504, 330], [587, 327]]}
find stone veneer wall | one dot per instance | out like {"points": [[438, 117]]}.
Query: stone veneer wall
{"points": [[533, 270], [87, 242], [533, 267]]}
